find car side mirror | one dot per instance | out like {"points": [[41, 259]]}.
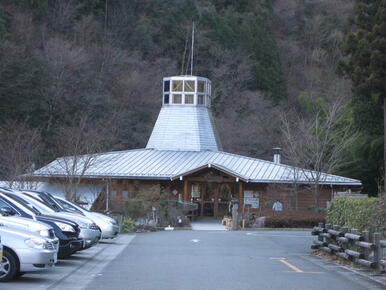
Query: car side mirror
{"points": [[7, 211]]}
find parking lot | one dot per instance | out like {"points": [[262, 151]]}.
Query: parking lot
{"points": [[194, 260], [75, 272]]}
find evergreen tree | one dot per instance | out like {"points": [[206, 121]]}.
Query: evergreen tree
{"points": [[365, 49]]}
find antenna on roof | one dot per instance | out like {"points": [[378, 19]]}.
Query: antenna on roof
{"points": [[192, 54]]}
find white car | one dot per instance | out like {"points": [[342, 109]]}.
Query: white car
{"points": [[108, 225], [25, 251]]}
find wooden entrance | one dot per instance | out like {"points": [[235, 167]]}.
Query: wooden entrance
{"points": [[212, 198], [212, 190]]}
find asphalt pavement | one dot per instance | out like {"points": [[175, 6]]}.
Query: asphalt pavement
{"points": [[206, 259], [224, 260]]}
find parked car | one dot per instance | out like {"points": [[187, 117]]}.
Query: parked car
{"points": [[89, 231], [9, 219], [108, 225], [65, 230], [25, 251]]}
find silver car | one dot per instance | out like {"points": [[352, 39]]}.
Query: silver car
{"points": [[108, 225], [25, 251], [8, 219], [89, 231]]}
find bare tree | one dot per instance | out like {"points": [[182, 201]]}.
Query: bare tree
{"points": [[316, 145], [81, 143], [19, 147]]}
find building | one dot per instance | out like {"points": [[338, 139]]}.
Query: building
{"points": [[184, 160]]}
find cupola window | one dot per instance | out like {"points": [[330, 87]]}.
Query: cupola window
{"points": [[177, 86], [177, 98], [189, 86], [201, 86], [189, 99], [166, 99], [166, 86], [200, 100]]}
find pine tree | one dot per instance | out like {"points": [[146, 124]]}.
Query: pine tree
{"points": [[365, 49]]}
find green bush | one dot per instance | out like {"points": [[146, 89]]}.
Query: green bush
{"points": [[134, 209], [294, 219], [129, 225], [359, 213]]}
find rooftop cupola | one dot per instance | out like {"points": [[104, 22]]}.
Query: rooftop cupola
{"points": [[185, 121], [186, 90]]}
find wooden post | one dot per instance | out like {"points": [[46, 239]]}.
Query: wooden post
{"points": [[377, 252], [186, 189], [241, 197], [366, 238]]}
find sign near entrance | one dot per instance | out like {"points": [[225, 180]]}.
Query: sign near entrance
{"points": [[251, 198]]}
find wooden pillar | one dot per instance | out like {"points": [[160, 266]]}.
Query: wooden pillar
{"points": [[186, 191], [241, 197]]}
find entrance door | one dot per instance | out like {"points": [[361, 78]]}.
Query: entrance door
{"points": [[212, 198]]}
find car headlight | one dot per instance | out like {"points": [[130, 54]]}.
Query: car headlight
{"points": [[113, 222], [65, 227], [44, 233], [83, 225], [37, 243]]}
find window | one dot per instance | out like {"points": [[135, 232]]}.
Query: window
{"points": [[196, 191], [166, 86], [166, 99], [177, 86], [201, 86], [189, 86], [177, 99], [189, 99], [200, 100]]}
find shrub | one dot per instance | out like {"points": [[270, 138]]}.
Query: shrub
{"points": [[359, 213], [134, 209], [294, 219], [129, 225]]}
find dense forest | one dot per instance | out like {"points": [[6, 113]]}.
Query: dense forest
{"points": [[98, 64]]}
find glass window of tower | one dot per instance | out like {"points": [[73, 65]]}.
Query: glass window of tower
{"points": [[166, 86], [166, 99], [189, 99], [200, 99], [189, 86], [177, 86], [177, 99], [201, 86]]}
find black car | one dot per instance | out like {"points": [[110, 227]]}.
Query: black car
{"points": [[65, 230]]}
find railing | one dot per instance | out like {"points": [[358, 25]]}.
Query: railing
{"points": [[360, 248]]}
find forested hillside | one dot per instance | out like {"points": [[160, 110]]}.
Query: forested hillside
{"points": [[101, 62]]}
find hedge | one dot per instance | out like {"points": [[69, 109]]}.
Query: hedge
{"points": [[359, 213], [293, 219]]}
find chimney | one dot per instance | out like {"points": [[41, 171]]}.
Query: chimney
{"points": [[276, 155]]}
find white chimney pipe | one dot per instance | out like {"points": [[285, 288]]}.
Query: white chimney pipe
{"points": [[277, 155]]}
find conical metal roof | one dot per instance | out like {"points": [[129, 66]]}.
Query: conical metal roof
{"points": [[185, 121]]}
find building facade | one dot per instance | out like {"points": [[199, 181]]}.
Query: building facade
{"points": [[184, 160]]}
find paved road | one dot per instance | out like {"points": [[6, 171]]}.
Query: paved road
{"points": [[197, 260], [224, 260]]}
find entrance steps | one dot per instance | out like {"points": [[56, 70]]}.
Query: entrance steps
{"points": [[207, 225]]}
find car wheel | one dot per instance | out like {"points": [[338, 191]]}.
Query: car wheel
{"points": [[8, 267]]}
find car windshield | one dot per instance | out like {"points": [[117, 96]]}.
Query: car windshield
{"points": [[54, 202], [70, 205], [23, 205], [37, 204], [41, 198]]}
